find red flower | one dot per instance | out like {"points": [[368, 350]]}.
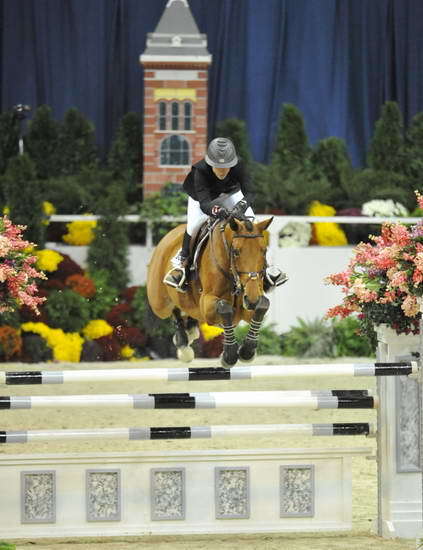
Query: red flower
{"points": [[66, 268], [130, 335], [119, 315], [82, 285], [110, 346], [128, 294]]}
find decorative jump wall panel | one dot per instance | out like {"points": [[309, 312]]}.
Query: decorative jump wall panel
{"points": [[136, 493]]}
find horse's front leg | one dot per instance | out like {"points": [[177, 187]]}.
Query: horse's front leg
{"points": [[247, 351], [219, 311]]}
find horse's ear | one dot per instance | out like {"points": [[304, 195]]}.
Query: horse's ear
{"points": [[233, 224], [264, 224]]}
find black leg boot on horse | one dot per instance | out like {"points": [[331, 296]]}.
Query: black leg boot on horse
{"points": [[247, 350], [177, 276]]}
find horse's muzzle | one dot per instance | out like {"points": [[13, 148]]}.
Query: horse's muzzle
{"points": [[247, 304]]}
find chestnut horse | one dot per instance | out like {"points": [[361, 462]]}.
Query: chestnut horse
{"points": [[229, 287]]}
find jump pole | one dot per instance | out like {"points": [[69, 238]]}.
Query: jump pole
{"points": [[254, 372], [329, 399], [185, 432]]}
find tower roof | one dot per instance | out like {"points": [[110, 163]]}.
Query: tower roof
{"points": [[176, 37]]}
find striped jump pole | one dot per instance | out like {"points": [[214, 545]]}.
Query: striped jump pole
{"points": [[326, 399], [208, 373], [185, 432]]}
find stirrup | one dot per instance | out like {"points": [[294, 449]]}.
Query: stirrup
{"points": [[168, 279], [274, 277]]}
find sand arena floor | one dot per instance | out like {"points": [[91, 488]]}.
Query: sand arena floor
{"points": [[364, 470]]}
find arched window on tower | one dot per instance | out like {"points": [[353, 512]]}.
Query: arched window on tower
{"points": [[162, 115], [175, 115], [175, 151], [187, 115]]}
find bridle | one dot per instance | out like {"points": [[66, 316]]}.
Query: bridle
{"points": [[233, 275]]}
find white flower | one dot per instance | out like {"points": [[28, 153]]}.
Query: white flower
{"points": [[383, 208], [295, 234]]}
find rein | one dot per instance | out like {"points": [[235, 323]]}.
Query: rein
{"points": [[233, 275]]}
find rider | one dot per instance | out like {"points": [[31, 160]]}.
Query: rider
{"points": [[221, 171]]}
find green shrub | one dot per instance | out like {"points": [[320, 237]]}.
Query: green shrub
{"points": [[68, 194], [387, 144], [145, 319], [23, 197], [348, 342], [309, 339], [104, 298], [42, 142], [9, 139], [269, 342], [109, 249], [371, 184], [7, 546], [67, 310]]}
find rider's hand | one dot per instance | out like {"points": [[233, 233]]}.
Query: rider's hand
{"points": [[220, 212]]}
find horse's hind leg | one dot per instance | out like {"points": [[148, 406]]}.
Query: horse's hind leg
{"points": [[184, 351], [192, 329]]}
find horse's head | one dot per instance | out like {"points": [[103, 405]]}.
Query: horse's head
{"points": [[247, 255]]}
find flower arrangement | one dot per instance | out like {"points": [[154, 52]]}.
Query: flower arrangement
{"points": [[326, 234], [387, 207], [97, 328], [48, 260], [65, 346], [384, 280], [295, 234], [17, 274], [80, 233]]}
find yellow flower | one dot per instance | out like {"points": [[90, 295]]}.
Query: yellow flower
{"points": [[6, 210], [210, 332], [127, 352], [96, 329], [48, 208], [80, 233], [48, 260], [327, 234], [65, 346]]}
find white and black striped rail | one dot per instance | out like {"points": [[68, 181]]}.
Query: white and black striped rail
{"points": [[187, 432], [322, 399], [207, 373]]}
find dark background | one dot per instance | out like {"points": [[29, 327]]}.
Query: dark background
{"points": [[337, 60]]}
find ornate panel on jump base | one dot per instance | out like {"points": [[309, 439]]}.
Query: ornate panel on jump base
{"points": [[186, 492]]}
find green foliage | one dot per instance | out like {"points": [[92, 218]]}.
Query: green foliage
{"points": [[23, 197], [309, 339], [125, 157], [35, 348], [67, 310], [68, 194], [42, 142], [330, 159], [294, 193], [291, 148], [269, 342], [145, 319], [387, 145], [7, 546], [9, 137], [105, 297], [76, 143], [348, 341], [109, 249], [236, 130], [10, 318], [414, 152], [171, 201], [371, 184]]}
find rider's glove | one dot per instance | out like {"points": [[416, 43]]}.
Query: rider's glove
{"points": [[220, 212]]}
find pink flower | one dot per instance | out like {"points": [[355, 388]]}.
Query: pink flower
{"points": [[400, 235], [417, 277], [410, 306]]}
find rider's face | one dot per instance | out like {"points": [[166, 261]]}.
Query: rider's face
{"points": [[220, 173]]}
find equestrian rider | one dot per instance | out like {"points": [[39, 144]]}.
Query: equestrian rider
{"points": [[221, 171]]}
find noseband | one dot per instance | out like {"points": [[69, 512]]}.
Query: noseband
{"points": [[233, 275]]}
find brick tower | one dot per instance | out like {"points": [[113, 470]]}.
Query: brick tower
{"points": [[175, 64]]}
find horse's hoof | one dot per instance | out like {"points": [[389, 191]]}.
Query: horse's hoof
{"points": [[185, 354], [247, 359], [193, 334], [225, 363]]}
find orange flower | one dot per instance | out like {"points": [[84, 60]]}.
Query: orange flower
{"points": [[82, 285], [10, 341]]}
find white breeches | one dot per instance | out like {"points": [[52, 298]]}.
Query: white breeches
{"points": [[196, 217]]}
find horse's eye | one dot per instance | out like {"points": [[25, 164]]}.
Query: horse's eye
{"points": [[236, 252]]}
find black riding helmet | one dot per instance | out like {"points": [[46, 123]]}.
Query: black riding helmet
{"points": [[221, 153]]}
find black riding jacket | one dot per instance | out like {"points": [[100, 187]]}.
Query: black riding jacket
{"points": [[203, 186]]}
